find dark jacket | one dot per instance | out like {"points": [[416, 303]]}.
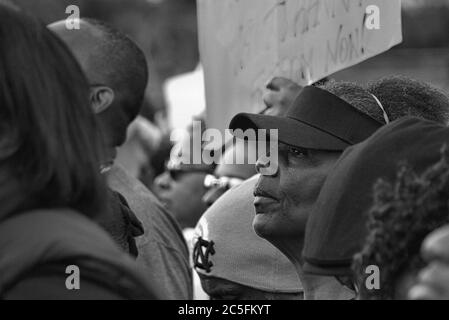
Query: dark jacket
{"points": [[37, 247], [121, 223]]}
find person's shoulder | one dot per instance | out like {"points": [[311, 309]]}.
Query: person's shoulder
{"points": [[158, 223], [119, 180], [49, 282], [162, 248], [140, 199], [37, 239]]}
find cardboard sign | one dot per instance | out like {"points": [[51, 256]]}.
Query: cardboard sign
{"points": [[245, 43]]}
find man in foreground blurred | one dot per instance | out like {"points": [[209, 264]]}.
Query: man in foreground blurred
{"points": [[117, 71]]}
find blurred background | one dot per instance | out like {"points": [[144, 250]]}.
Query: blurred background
{"points": [[424, 53], [167, 31]]}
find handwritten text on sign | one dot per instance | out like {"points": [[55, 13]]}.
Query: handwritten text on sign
{"points": [[244, 43]]}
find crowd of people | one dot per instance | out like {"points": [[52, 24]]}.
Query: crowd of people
{"points": [[357, 208]]}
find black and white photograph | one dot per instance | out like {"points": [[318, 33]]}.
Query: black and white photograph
{"points": [[224, 155]]}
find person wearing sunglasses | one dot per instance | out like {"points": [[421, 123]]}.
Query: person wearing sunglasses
{"points": [[228, 175], [181, 187], [225, 183]]}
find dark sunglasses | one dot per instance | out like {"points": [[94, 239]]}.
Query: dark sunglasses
{"points": [[210, 181]]}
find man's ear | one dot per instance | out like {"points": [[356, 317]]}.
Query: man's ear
{"points": [[101, 98]]}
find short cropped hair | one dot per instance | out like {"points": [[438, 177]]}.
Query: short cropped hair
{"points": [[402, 96], [123, 65]]}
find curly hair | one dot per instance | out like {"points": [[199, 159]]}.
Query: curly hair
{"points": [[402, 96], [355, 95], [402, 215]]}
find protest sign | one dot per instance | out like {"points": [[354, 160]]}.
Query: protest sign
{"points": [[244, 43]]}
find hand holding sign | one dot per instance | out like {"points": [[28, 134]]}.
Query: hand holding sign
{"points": [[280, 94]]}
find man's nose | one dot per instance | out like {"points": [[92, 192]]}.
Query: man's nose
{"points": [[163, 181], [262, 165]]}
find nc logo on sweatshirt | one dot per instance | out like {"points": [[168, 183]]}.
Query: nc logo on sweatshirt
{"points": [[201, 252]]}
